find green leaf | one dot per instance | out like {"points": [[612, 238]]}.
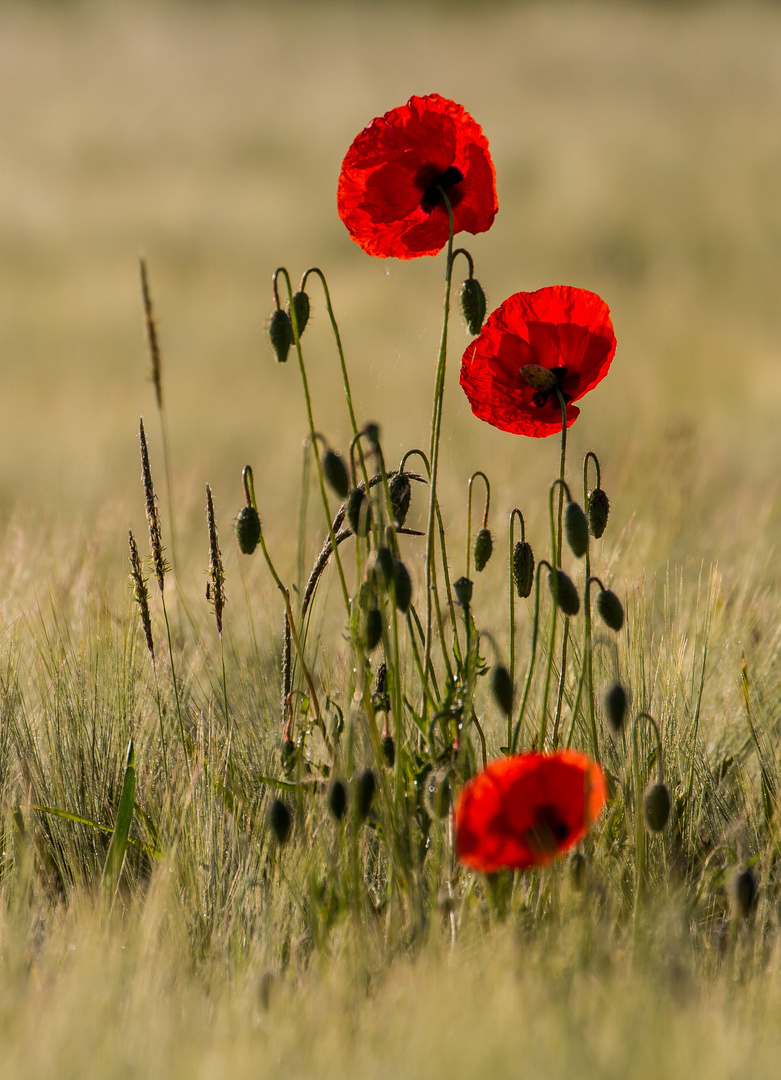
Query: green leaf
{"points": [[115, 858]]}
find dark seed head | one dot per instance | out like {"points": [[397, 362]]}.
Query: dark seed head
{"points": [[280, 334], [656, 805], [358, 511], [400, 494], [523, 568], [389, 750], [745, 891], [597, 508], [335, 473], [402, 583], [280, 819], [301, 309], [463, 590], [337, 799], [502, 688], [483, 549], [473, 305], [610, 610], [364, 792], [615, 706], [372, 628], [568, 599], [576, 529], [247, 529]]}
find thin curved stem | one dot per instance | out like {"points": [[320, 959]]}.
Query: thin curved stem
{"points": [[472, 479]]}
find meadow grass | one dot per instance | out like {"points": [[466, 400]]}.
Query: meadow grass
{"points": [[637, 150]]}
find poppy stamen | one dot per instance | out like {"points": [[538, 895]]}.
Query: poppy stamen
{"points": [[433, 182]]}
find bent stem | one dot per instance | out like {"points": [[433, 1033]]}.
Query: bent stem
{"points": [[487, 507], [532, 656], [639, 830], [587, 653]]}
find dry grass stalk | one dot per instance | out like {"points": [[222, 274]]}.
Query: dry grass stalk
{"points": [[140, 593], [152, 512], [216, 570], [151, 336]]}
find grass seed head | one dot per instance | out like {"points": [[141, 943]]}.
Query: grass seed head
{"points": [[141, 593], [216, 570], [152, 512]]}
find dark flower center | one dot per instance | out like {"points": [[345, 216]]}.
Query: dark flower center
{"points": [[540, 398], [432, 182], [548, 832]]}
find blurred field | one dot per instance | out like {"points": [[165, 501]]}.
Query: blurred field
{"points": [[638, 153]]}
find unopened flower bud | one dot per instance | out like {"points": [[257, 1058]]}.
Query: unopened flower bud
{"points": [[382, 567], [576, 529], [473, 305], [523, 568], [389, 750], [247, 529], [597, 508], [567, 595], [364, 793], [745, 892], [463, 590], [502, 688], [539, 378], [402, 584], [335, 473], [578, 867], [483, 549], [610, 609], [301, 309], [337, 799], [400, 495], [288, 756], [280, 334], [656, 806], [280, 819], [371, 629], [372, 432], [358, 511], [615, 706]]}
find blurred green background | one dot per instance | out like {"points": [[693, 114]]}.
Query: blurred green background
{"points": [[638, 154]]}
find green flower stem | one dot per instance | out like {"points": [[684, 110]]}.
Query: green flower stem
{"points": [[472, 479], [587, 652], [515, 513], [532, 656], [176, 688], [639, 830], [560, 687]]}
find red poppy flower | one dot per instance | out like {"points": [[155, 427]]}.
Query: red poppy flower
{"points": [[562, 329], [525, 810], [389, 195]]}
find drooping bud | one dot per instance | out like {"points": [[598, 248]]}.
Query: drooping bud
{"points": [[568, 599], [389, 750], [364, 793], [402, 583], [656, 806], [372, 432], [473, 305], [523, 568], [335, 473], [578, 867], [280, 334], [371, 629], [745, 892], [358, 511], [502, 688], [576, 529], [436, 793], [610, 609], [539, 378], [289, 752], [615, 706], [382, 567], [301, 309], [337, 799], [483, 549], [597, 508], [280, 819], [247, 529], [400, 495], [463, 590]]}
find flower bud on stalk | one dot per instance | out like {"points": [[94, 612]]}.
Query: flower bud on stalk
{"points": [[745, 892], [280, 334], [576, 529], [523, 568], [247, 529], [610, 609], [389, 750], [337, 799], [568, 599], [371, 630], [382, 567], [400, 495], [483, 549], [364, 793], [615, 706], [502, 688], [463, 590], [281, 820], [656, 806], [473, 305], [358, 512], [335, 473], [402, 583], [597, 508], [301, 309]]}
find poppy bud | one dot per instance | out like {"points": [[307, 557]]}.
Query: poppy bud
{"points": [[335, 473], [402, 583], [379, 680], [288, 756], [463, 590], [372, 432], [568, 599], [745, 890], [576, 529], [483, 549], [578, 870], [382, 567], [400, 495], [364, 793], [301, 309], [610, 610], [337, 799], [615, 706], [502, 688], [280, 819], [280, 334], [371, 630], [358, 511], [247, 529], [656, 805], [473, 305], [597, 508], [539, 378], [389, 750], [436, 793], [523, 568]]}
